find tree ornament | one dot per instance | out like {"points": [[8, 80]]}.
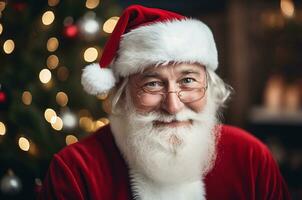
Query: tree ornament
{"points": [[70, 31], [4, 98], [10, 183]]}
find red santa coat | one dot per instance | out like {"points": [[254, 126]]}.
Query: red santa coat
{"points": [[94, 169]]}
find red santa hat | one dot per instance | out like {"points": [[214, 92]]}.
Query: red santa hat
{"points": [[145, 37]]}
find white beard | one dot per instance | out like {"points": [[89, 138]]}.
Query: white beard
{"points": [[166, 163]]}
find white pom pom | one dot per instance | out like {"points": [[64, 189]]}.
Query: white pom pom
{"points": [[97, 80]]}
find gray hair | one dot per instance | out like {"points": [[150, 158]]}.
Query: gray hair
{"points": [[218, 90]]}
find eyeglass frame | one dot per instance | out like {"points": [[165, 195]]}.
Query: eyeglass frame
{"points": [[164, 94]]}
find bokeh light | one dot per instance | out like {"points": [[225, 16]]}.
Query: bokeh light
{"points": [[49, 114], [287, 8], [2, 128], [24, 143], [2, 5], [69, 119], [70, 139], [8, 46], [45, 75], [86, 124], [1, 29], [110, 24], [62, 98], [48, 17], [52, 61], [53, 2], [57, 124], [26, 98], [91, 4], [91, 54], [52, 44]]}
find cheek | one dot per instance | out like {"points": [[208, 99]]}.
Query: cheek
{"points": [[198, 106], [136, 102]]}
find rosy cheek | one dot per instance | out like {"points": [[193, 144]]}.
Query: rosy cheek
{"points": [[198, 106]]}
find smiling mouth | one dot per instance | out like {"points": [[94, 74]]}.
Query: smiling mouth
{"points": [[173, 123]]}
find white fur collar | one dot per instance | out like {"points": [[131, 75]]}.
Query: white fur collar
{"points": [[146, 189]]}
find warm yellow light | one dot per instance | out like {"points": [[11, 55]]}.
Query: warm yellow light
{"points": [[52, 61], [86, 123], [91, 4], [26, 98], [45, 76], [110, 24], [24, 144], [49, 114], [48, 17], [62, 98], [2, 128], [53, 2], [1, 29], [58, 124], [70, 139], [90, 54], [287, 8], [52, 44], [104, 120], [2, 5], [8, 46], [62, 73], [98, 124]]}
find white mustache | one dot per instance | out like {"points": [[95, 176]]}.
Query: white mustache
{"points": [[184, 115]]}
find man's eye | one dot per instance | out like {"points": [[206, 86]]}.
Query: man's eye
{"points": [[154, 85], [188, 80]]}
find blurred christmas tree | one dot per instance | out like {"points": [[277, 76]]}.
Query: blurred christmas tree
{"points": [[45, 45]]}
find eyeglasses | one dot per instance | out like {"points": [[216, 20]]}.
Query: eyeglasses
{"points": [[155, 97]]}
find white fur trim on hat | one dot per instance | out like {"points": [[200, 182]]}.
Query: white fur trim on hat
{"points": [[97, 80], [186, 40]]}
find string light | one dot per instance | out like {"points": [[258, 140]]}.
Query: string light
{"points": [[45, 76], [98, 124], [24, 144], [86, 123], [1, 29], [62, 98], [287, 8], [53, 2], [48, 17], [52, 61], [8, 46], [110, 24], [49, 114], [62, 73], [2, 128], [70, 139], [90, 54], [52, 44], [57, 124], [91, 4], [26, 98], [2, 5], [104, 120], [69, 119]]}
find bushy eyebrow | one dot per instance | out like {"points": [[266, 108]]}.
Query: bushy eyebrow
{"points": [[155, 74]]}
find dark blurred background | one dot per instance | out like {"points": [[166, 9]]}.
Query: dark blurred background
{"points": [[45, 44]]}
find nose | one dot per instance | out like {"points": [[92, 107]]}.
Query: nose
{"points": [[172, 103]]}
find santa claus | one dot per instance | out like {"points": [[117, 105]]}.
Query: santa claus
{"points": [[164, 141]]}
